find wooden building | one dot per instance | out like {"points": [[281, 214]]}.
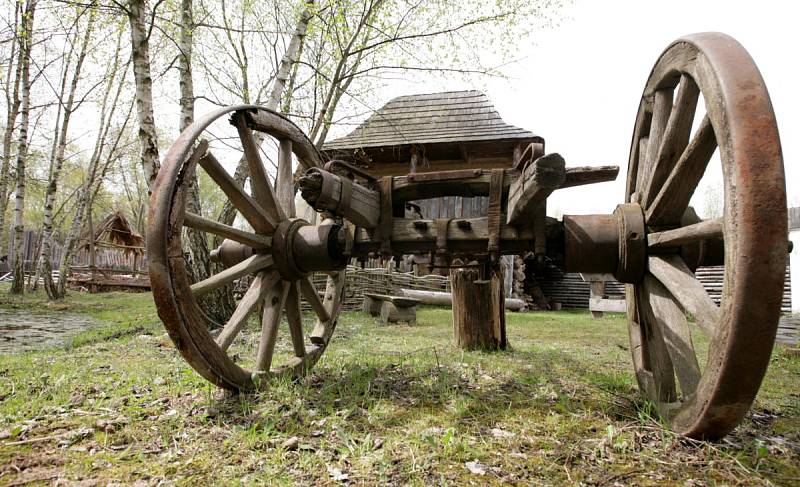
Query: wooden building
{"points": [[111, 256], [434, 132]]}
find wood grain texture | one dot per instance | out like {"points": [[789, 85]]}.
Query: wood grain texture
{"points": [[478, 310], [257, 216], [226, 231], [310, 293], [284, 185], [248, 266], [255, 293], [294, 317], [673, 196], [270, 319], [673, 273], [539, 179], [675, 330], [704, 230], [259, 182], [676, 136]]}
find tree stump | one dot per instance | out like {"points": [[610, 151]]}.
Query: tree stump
{"points": [[479, 320]]}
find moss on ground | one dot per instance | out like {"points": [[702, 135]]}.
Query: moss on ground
{"points": [[386, 404]]}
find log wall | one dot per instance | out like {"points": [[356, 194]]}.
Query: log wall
{"points": [[573, 293]]}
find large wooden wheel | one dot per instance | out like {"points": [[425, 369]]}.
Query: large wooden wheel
{"points": [[706, 396], [267, 252]]}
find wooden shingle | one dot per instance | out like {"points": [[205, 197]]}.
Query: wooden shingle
{"points": [[442, 123]]}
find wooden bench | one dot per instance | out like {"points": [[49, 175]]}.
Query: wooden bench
{"points": [[597, 303], [391, 309]]}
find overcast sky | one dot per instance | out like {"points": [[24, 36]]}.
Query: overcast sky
{"points": [[579, 84]]}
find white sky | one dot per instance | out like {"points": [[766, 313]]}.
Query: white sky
{"points": [[579, 84]]}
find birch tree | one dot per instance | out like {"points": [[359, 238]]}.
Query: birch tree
{"points": [[11, 89], [25, 48], [140, 55], [57, 159]]}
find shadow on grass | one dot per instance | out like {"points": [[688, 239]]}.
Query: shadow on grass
{"points": [[455, 393]]}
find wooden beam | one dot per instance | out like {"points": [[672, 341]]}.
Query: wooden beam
{"points": [[326, 191], [477, 183], [414, 235], [539, 179], [581, 175]]}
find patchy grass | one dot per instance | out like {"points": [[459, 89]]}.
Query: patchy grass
{"points": [[386, 405]]}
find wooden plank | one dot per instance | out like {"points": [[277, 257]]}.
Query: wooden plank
{"points": [[607, 305], [539, 179], [582, 175]]}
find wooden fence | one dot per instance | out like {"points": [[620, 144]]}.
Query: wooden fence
{"points": [[380, 281]]}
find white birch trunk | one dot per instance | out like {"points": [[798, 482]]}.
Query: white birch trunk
{"points": [[26, 42], [140, 54]]}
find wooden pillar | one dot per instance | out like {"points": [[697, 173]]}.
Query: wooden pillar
{"points": [[596, 291], [479, 320]]}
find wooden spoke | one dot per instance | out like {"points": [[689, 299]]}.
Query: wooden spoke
{"points": [[643, 171], [284, 184], [333, 299], [704, 230], [672, 272], [657, 362], [673, 197], [226, 231], [255, 293], [676, 136], [310, 293], [270, 319], [675, 331], [261, 188], [247, 206], [294, 317], [247, 266], [662, 107]]}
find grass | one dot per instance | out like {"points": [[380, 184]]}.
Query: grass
{"points": [[385, 405]]}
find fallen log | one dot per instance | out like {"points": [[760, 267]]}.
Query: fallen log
{"points": [[438, 298]]}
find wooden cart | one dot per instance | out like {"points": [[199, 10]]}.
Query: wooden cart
{"points": [[652, 242]]}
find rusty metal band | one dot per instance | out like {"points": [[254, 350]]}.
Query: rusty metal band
{"points": [[345, 196], [632, 243], [385, 224], [283, 249], [495, 211]]}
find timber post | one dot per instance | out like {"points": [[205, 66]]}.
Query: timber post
{"points": [[479, 320]]}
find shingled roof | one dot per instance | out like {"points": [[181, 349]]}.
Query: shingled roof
{"points": [[434, 118]]}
